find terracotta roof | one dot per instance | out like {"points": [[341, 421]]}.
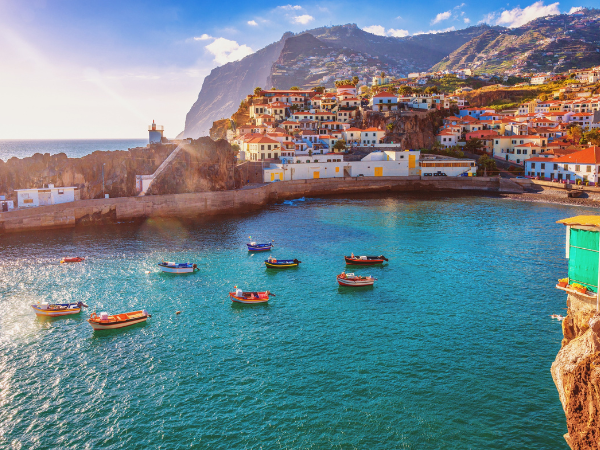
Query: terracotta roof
{"points": [[385, 94], [263, 140], [372, 129], [590, 155]]}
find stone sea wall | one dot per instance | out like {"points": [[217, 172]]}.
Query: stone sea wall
{"points": [[99, 211]]}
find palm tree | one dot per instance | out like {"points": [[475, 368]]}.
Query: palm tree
{"points": [[257, 90], [355, 80]]}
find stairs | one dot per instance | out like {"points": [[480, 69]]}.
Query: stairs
{"points": [[161, 168]]}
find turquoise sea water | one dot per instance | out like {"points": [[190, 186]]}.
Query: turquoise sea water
{"points": [[451, 349], [73, 148]]}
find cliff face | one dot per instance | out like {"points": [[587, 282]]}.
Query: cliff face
{"points": [[120, 169], [204, 165], [225, 87], [576, 373]]}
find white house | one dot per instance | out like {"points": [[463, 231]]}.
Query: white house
{"points": [[576, 167], [372, 136], [28, 198], [384, 101]]}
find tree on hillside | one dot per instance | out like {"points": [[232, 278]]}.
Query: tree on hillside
{"points": [[257, 90], [294, 88], [355, 80], [319, 89], [474, 145], [486, 166], [390, 127], [417, 91], [432, 90], [340, 145], [235, 148], [592, 137], [562, 96], [543, 97], [405, 90], [576, 133]]}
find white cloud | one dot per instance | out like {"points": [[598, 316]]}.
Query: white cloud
{"points": [[516, 17], [225, 50], [575, 9], [290, 7], [204, 37], [303, 19], [441, 16], [399, 18], [375, 29], [253, 23], [467, 20], [445, 30], [397, 33]]}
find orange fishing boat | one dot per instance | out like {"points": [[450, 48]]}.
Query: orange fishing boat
{"points": [[103, 321], [73, 259], [249, 298]]}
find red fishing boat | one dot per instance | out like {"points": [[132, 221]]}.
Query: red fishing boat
{"points": [[249, 298], [72, 259], [351, 280], [103, 321], [364, 260]]}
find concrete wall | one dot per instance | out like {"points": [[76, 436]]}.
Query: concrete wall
{"points": [[94, 212]]}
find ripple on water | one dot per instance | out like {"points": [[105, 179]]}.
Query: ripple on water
{"points": [[450, 349]]}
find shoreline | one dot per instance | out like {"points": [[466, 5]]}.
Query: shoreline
{"points": [[211, 203], [556, 197]]}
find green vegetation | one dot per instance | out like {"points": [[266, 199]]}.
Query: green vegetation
{"points": [[474, 145], [257, 90], [340, 145], [486, 166]]}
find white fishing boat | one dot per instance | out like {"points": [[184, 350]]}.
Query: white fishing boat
{"points": [[173, 267], [352, 280], [58, 309]]}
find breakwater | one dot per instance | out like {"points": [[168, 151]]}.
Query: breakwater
{"points": [[99, 211]]}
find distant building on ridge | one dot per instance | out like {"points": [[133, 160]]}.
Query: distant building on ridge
{"points": [[155, 133]]}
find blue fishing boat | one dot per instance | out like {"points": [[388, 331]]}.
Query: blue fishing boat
{"points": [[254, 247]]}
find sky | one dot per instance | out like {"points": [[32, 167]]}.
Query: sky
{"points": [[77, 69]]}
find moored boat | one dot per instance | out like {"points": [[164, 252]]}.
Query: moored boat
{"points": [[364, 260], [173, 267], [254, 247], [58, 309], [352, 280], [72, 259], [273, 263], [250, 298], [103, 321]]}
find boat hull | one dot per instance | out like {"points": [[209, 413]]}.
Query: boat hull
{"points": [[247, 301], [72, 260], [282, 265], [55, 312], [259, 248], [113, 326], [350, 283], [363, 262], [177, 269]]}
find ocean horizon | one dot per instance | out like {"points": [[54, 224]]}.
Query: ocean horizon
{"points": [[73, 148]]}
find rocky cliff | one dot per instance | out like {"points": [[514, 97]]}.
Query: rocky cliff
{"points": [[120, 169], [576, 373], [203, 165], [226, 86]]}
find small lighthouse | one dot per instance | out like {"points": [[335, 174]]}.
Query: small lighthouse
{"points": [[155, 133]]}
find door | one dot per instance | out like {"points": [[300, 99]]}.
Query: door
{"points": [[379, 171], [316, 174], [412, 161], [44, 198]]}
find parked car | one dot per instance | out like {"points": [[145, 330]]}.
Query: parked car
{"points": [[427, 174], [439, 174]]}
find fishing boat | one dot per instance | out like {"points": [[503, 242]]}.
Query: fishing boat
{"points": [[173, 267], [58, 309], [273, 263], [351, 280], [103, 321], [254, 247], [364, 260], [72, 259], [249, 298]]}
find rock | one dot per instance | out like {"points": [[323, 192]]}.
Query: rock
{"points": [[576, 374]]}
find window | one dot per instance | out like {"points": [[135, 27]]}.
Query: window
{"points": [[533, 165], [521, 141], [576, 167], [565, 167], [524, 152], [555, 167], [268, 155], [514, 142], [518, 151], [542, 166], [262, 147], [533, 152], [262, 156], [588, 168], [62, 191]]}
